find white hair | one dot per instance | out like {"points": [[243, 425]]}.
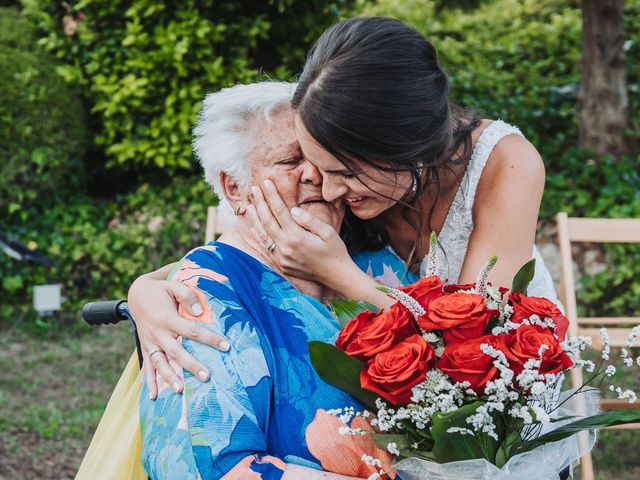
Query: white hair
{"points": [[223, 138]]}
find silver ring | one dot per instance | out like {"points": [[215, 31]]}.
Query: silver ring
{"points": [[271, 247], [155, 351]]}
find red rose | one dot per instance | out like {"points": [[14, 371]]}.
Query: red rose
{"points": [[370, 333], [460, 316], [524, 307], [393, 373], [524, 344], [424, 290], [465, 361]]}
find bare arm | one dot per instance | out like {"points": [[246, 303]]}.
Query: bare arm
{"points": [[505, 211], [153, 303]]}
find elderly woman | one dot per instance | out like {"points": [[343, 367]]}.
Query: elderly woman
{"points": [[264, 414]]}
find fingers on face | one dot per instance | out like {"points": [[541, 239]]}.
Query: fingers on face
{"points": [[313, 224], [277, 206], [265, 216], [257, 229]]}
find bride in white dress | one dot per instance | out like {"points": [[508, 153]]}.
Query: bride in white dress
{"points": [[373, 116]]}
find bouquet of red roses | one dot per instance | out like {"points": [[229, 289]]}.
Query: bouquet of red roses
{"points": [[464, 380]]}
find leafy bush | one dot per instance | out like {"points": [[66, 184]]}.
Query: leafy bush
{"points": [[146, 65], [42, 131], [518, 60], [102, 245], [604, 188]]}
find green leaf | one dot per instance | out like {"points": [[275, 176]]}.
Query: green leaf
{"points": [[502, 455], [340, 370], [594, 422], [523, 277], [345, 310], [381, 440], [452, 447]]}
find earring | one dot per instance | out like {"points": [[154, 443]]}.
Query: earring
{"points": [[416, 176], [238, 211], [414, 183]]}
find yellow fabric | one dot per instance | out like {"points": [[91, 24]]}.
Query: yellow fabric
{"points": [[116, 447]]}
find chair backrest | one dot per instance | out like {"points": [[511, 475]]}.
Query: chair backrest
{"points": [[213, 228], [594, 230]]}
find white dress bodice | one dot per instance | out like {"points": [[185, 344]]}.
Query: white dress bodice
{"points": [[454, 236]]}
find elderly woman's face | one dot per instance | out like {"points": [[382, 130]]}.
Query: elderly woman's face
{"points": [[277, 156]]}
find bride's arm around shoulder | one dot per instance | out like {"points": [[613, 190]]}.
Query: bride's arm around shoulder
{"points": [[505, 211]]}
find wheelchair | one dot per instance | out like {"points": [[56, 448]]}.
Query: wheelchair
{"points": [[108, 313]]}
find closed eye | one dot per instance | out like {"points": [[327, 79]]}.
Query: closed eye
{"points": [[290, 160]]}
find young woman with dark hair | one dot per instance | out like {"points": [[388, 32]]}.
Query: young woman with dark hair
{"points": [[373, 116]]}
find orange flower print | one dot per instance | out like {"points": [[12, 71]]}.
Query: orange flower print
{"points": [[343, 453]]}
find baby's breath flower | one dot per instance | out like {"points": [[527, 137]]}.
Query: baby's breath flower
{"points": [[635, 332], [460, 430], [392, 448], [430, 337]]}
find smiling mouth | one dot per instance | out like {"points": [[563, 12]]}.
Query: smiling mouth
{"points": [[312, 200], [355, 199]]}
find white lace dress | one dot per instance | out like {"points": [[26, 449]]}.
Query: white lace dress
{"points": [[457, 228]]}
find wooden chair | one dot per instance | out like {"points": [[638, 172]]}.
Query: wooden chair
{"points": [[213, 228], [594, 230]]}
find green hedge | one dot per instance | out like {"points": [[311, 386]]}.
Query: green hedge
{"points": [[101, 246], [145, 65], [604, 188], [42, 122], [518, 60]]}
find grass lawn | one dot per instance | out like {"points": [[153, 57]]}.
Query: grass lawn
{"points": [[53, 390], [52, 394]]}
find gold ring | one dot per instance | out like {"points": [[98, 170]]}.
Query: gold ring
{"points": [[271, 247]]}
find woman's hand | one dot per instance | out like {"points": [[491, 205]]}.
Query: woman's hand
{"points": [[306, 247], [153, 303]]}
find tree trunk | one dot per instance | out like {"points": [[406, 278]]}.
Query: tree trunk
{"points": [[603, 101]]}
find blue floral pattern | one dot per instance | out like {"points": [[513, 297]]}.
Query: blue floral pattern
{"points": [[264, 405]]}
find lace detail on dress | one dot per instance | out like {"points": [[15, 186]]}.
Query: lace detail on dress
{"points": [[454, 236]]}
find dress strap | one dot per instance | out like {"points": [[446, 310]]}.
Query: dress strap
{"points": [[487, 141]]}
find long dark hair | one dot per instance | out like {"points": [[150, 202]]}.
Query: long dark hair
{"points": [[372, 90]]}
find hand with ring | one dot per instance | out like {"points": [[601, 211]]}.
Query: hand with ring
{"points": [[306, 246], [154, 304]]}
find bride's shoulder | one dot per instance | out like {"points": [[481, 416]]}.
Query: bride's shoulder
{"points": [[512, 163]]}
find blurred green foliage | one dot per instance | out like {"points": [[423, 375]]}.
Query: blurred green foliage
{"points": [[519, 60], [101, 245], [604, 188], [42, 122], [145, 66]]}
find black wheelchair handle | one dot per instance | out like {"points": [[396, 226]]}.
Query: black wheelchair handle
{"points": [[103, 313]]}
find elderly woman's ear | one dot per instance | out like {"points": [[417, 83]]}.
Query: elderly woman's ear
{"points": [[234, 193]]}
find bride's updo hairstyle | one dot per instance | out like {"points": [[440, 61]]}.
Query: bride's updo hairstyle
{"points": [[372, 90]]}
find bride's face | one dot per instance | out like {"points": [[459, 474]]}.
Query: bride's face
{"points": [[367, 191], [277, 156]]}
